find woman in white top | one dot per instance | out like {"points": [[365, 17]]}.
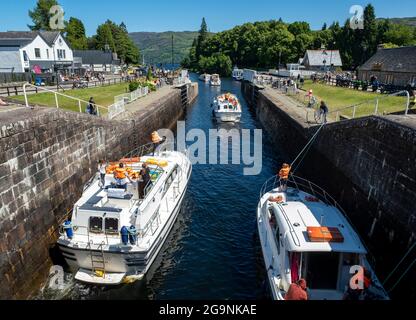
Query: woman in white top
{"points": [[102, 168]]}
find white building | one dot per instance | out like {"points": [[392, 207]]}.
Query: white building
{"points": [[23, 51]]}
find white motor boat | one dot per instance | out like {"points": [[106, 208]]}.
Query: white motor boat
{"points": [[116, 233], [227, 108], [238, 74], [305, 234], [205, 78], [215, 80]]}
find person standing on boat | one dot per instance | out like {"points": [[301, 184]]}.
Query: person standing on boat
{"points": [[284, 176], [145, 180], [297, 291], [102, 168], [120, 175]]}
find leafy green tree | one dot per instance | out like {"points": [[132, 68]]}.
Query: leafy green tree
{"points": [[40, 15], [400, 35], [118, 40], [217, 63], [105, 38], [75, 34]]}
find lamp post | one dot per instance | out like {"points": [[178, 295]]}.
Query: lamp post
{"points": [[280, 57], [55, 67]]}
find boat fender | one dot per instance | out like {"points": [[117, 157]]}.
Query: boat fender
{"points": [[67, 226], [132, 235], [124, 236]]}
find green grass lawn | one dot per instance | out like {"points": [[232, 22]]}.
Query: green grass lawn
{"points": [[103, 96], [337, 98]]}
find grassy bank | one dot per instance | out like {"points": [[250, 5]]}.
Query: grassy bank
{"points": [[103, 96], [337, 98]]}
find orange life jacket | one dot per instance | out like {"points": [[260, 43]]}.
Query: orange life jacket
{"points": [[120, 173], [284, 173], [156, 138]]}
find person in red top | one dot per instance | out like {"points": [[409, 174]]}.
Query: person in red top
{"points": [[297, 291]]}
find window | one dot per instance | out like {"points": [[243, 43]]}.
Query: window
{"points": [[390, 79], [321, 270], [111, 225], [25, 57], [37, 53], [64, 54], [96, 224], [47, 53]]}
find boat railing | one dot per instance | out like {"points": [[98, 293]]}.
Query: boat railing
{"points": [[301, 184]]}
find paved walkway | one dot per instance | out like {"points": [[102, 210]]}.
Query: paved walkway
{"points": [[143, 103], [292, 107]]}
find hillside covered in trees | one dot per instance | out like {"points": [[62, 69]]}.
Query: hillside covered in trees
{"points": [[264, 44], [156, 47]]}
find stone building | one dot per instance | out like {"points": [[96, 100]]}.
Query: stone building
{"points": [[395, 66]]}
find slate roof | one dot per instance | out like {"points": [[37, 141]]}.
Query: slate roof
{"points": [[315, 58], [49, 36], [24, 37], [401, 59], [95, 57], [16, 38]]}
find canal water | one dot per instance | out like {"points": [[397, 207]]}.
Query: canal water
{"points": [[213, 251]]}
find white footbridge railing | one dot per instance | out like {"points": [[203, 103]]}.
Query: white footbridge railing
{"points": [[110, 112]]}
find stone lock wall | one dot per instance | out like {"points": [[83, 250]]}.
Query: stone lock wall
{"points": [[368, 165], [44, 163]]}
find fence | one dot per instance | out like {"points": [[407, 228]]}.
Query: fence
{"points": [[7, 77], [132, 96], [110, 112], [16, 90], [378, 106]]}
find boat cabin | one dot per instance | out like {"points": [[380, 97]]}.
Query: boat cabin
{"points": [[104, 209], [314, 241]]}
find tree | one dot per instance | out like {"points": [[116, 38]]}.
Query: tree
{"points": [[116, 37], [104, 38], [202, 37], [40, 15], [217, 63], [75, 34]]}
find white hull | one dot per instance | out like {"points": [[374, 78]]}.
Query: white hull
{"points": [[228, 116], [285, 237], [103, 258], [130, 263], [215, 84]]}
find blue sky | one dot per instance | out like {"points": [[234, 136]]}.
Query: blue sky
{"points": [[179, 15]]}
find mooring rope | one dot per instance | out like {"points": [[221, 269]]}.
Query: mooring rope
{"points": [[401, 278], [401, 261], [306, 149]]}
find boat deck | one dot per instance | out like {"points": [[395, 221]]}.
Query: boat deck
{"points": [[300, 210]]}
